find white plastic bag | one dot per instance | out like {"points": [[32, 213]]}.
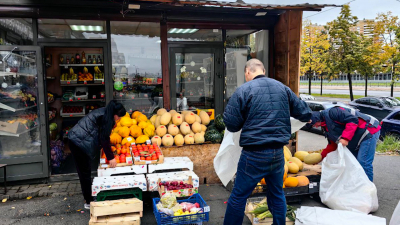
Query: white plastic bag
{"points": [[344, 184], [226, 161], [322, 216], [395, 220]]}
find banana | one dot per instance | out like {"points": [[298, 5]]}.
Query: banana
{"points": [[85, 70], [71, 71]]}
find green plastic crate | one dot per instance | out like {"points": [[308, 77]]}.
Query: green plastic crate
{"points": [[120, 194]]}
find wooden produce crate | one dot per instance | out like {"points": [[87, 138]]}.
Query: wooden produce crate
{"points": [[129, 161], [255, 221], [124, 211], [138, 161]]}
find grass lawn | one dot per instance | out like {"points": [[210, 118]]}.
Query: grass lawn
{"points": [[338, 96]]}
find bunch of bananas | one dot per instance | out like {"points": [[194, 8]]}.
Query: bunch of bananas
{"points": [[71, 71], [85, 70], [97, 73], [66, 76], [97, 70]]}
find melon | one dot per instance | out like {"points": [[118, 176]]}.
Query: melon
{"points": [[161, 130], [303, 181], [293, 167], [156, 140], [199, 138], [198, 119], [173, 129], [165, 118], [297, 161], [205, 118], [203, 128], [172, 112], [157, 123], [287, 153], [313, 158], [177, 119], [168, 140], [301, 154], [184, 112], [185, 128], [153, 119], [291, 182], [190, 118], [286, 168], [160, 112], [179, 140], [196, 127], [203, 133], [189, 139], [191, 133]]}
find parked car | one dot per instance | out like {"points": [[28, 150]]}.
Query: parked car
{"points": [[319, 106], [391, 124], [378, 107], [305, 97]]}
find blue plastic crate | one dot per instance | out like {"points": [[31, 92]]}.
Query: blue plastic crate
{"points": [[198, 218]]}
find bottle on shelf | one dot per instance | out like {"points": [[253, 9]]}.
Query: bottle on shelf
{"points": [[72, 60], [67, 60], [89, 60], [98, 59], [61, 59], [83, 58], [77, 58], [94, 59]]}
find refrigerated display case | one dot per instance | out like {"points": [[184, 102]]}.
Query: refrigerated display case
{"points": [[235, 61], [23, 141]]}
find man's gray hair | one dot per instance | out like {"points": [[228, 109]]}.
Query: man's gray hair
{"points": [[254, 65]]}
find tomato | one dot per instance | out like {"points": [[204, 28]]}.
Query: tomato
{"points": [[154, 157], [142, 158], [148, 158], [136, 154], [158, 155]]}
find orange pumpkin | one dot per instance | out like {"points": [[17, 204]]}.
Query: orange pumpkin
{"points": [[115, 138], [135, 114], [135, 131]]}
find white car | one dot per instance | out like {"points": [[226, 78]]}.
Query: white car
{"points": [[305, 97]]}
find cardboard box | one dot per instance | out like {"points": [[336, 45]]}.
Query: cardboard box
{"points": [[181, 192], [13, 128], [153, 179], [172, 163], [118, 182], [137, 169]]}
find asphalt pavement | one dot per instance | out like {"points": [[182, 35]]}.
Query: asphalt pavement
{"points": [[68, 210], [347, 92]]}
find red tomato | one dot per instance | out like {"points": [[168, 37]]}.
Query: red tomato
{"points": [[154, 157], [148, 158], [142, 158], [136, 154]]}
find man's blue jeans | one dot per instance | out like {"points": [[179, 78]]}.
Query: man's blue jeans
{"points": [[366, 153], [252, 167]]}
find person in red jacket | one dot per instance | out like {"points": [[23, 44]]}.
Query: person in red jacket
{"points": [[354, 130]]}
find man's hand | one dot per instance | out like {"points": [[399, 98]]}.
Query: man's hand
{"points": [[112, 163], [344, 142], [309, 121]]}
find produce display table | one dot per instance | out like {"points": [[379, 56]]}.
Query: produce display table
{"points": [[118, 183], [171, 163], [202, 156], [137, 169]]}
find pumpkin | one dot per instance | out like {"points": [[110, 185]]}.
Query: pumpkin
{"points": [[115, 130], [303, 181], [151, 126], [143, 124], [142, 139], [148, 131], [262, 182], [135, 131], [135, 114], [119, 124], [124, 131], [115, 138], [134, 122], [128, 139], [126, 121], [141, 118], [291, 182], [300, 155]]}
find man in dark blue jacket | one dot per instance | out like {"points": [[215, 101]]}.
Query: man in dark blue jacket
{"points": [[261, 108]]}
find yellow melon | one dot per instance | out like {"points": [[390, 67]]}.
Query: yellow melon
{"points": [[291, 182], [153, 119], [313, 158], [198, 119], [199, 138], [172, 112], [157, 122], [300, 155], [156, 140], [161, 130], [286, 168], [165, 118], [196, 127], [173, 129], [189, 139], [128, 139], [303, 181], [177, 119], [190, 118], [203, 128], [160, 112], [185, 128], [179, 140], [293, 167], [168, 140], [205, 118], [287, 153], [297, 161]]}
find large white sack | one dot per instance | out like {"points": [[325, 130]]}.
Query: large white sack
{"points": [[344, 184], [227, 158]]}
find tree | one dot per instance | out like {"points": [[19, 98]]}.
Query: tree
{"points": [[314, 45], [387, 32], [344, 45]]}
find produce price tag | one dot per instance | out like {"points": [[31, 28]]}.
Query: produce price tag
{"points": [[129, 160], [70, 115], [311, 185], [65, 67], [70, 99], [148, 162], [315, 184], [68, 82], [120, 95], [94, 97], [206, 209], [130, 110], [137, 158], [148, 142], [102, 95], [102, 82], [79, 98], [102, 161], [85, 82]]}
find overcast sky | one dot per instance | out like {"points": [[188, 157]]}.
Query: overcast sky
{"points": [[361, 8]]}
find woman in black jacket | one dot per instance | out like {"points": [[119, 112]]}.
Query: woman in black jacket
{"points": [[85, 139]]}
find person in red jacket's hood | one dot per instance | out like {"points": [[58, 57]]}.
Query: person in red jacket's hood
{"points": [[354, 130]]}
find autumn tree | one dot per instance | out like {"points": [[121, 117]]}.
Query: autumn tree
{"points": [[388, 33], [345, 44], [314, 44]]}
